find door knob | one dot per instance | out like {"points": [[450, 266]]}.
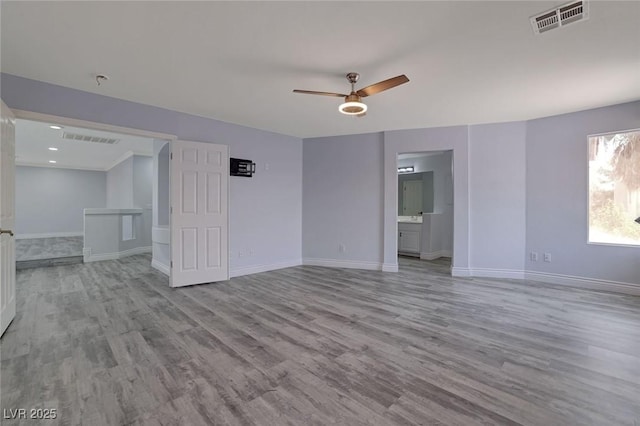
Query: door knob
{"points": [[6, 231]]}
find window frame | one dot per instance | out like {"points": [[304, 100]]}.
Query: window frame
{"points": [[588, 226]]}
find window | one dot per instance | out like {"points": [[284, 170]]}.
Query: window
{"points": [[614, 188]]}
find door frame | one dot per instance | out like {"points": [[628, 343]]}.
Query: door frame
{"points": [[456, 139], [92, 125]]}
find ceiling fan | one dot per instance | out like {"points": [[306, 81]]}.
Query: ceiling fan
{"points": [[353, 104]]}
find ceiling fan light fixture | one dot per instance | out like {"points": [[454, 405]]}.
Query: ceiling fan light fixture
{"points": [[353, 102], [353, 108]]}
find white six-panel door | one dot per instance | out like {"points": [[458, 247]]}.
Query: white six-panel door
{"points": [[199, 213], [7, 219]]}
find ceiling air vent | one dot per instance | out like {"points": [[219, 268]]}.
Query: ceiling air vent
{"points": [[560, 16], [89, 138]]}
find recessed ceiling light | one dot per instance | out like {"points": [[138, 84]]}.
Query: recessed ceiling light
{"points": [[51, 148], [55, 127], [52, 161]]}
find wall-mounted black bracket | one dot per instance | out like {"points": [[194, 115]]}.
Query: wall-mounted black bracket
{"points": [[240, 167]]}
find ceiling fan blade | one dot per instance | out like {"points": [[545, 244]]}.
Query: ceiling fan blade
{"points": [[383, 85], [311, 92]]}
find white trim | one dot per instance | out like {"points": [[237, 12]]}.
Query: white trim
{"points": [[59, 166], [584, 282], [49, 235], [255, 269], [595, 135], [435, 254], [122, 158], [160, 234], [389, 267], [513, 274], [457, 271], [126, 156], [101, 211], [595, 243], [90, 257], [160, 267], [72, 122], [338, 263], [545, 277]]}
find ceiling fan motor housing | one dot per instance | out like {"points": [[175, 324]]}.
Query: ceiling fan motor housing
{"points": [[353, 104]]}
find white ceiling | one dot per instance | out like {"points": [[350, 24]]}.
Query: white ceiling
{"points": [[33, 140], [469, 62]]}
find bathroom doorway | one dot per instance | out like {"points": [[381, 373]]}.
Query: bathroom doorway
{"points": [[425, 210]]}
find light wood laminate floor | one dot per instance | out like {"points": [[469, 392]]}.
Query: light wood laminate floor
{"points": [[108, 343], [48, 248]]}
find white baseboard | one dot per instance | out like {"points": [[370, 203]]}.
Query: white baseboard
{"points": [[160, 267], [49, 235], [583, 282], [568, 280], [513, 274], [339, 263], [435, 254], [457, 271], [90, 257], [255, 269], [389, 267]]}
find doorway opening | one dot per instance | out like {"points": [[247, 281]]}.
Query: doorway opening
{"points": [[83, 195], [425, 210]]}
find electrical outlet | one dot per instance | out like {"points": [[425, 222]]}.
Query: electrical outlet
{"points": [[547, 257], [342, 248], [533, 256]]}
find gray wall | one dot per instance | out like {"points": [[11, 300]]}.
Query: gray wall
{"points": [[130, 185], [497, 199], [342, 198], [427, 190], [142, 181], [267, 214], [557, 195], [265, 211], [520, 187], [120, 185], [340, 172], [51, 200]]}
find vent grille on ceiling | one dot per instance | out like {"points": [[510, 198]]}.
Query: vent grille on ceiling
{"points": [[560, 16], [89, 138]]}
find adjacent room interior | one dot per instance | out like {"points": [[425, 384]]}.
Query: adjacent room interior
{"points": [[292, 213], [85, 195]]}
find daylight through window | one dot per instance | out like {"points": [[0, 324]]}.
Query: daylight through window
{"points": [[614, 188]]}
